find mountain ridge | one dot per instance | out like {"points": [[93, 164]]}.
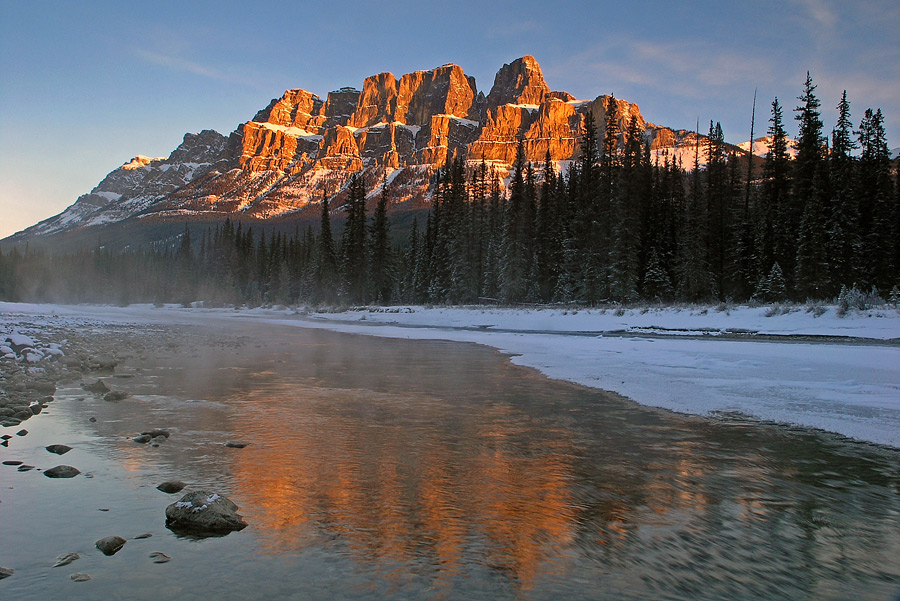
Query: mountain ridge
{"points": [[301, 148]]}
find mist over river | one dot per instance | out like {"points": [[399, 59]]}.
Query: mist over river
{"points": [[393, 469]]}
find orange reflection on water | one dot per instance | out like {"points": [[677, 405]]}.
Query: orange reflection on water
{"points": [[336, 469]]}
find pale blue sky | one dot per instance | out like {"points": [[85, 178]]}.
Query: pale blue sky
{"points": [[85, 86]]}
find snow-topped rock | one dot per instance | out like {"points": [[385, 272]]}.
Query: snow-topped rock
{"points": [[204, 513]]}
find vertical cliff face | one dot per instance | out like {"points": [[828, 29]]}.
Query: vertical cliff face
{"points": [[378, 101], [443, 91], [338, 150], [296, 108], [340, 106], [299, 147], [519, 82]]}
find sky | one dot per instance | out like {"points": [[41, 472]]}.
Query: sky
{"points": [[86, 86]]}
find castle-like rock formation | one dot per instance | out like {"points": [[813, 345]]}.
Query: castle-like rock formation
{"points": [[301, 147]]}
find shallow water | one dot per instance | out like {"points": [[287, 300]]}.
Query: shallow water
{"points": [[385, 469]]}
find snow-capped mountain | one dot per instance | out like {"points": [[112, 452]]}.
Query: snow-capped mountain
{"points": [[302, 147], [138, 184]]}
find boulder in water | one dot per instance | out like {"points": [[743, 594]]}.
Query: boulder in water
{"points": [[203, 513], [65, 559], [110, 545], [98, 387], [61, 471], [171, 486]]}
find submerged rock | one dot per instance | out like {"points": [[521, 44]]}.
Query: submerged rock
{"points": [[159, 557], [203, 513], [156, 432], [236, 444], [103, 363], [42, 386], [171, 486], [80, 577], [59, 449], [61, 471], [142, 439], [144, 535], [110, 545], [116, 395], [6, 573], [65, 559], [98, 387]]}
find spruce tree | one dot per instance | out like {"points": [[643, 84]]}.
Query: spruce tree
{"points": [[603, 192], [657, 285], [629, 192], [811, 270], [546, 233], [515, 261], [773, 236], [590, 223], [718, 197], [876, 201], [570, 258], [353, 243], [810, 144], [772, 287], [411, 263], [843, 239], [694, 279], [326, 266], [494, 247], [381, 272], [455, 234], [808, 205], [479, 235]]}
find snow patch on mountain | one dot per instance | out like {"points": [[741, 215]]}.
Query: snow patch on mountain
{"points": [[762, 145]]}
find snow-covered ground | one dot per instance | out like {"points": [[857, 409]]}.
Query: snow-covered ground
{"points": [[698, 361]]}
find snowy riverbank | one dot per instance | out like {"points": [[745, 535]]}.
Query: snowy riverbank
{"points": [[698, 361]]}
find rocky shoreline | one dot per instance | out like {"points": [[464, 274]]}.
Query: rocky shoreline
{"points": [[37, 357], [35, 360]]}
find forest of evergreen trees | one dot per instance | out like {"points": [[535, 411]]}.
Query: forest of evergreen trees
{"points": [[617, 227]]}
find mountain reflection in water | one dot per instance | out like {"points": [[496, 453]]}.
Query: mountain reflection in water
{"points": [[437, 470]]}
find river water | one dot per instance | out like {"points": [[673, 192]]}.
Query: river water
{"points": [[388, 469]]}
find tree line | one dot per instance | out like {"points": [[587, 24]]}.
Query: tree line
{"points": [[618, 226]]}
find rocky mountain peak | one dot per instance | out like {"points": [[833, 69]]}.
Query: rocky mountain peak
{"points": [[205, 147], [518, 82], [300, 148], [294, 109], [139, 161]]}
